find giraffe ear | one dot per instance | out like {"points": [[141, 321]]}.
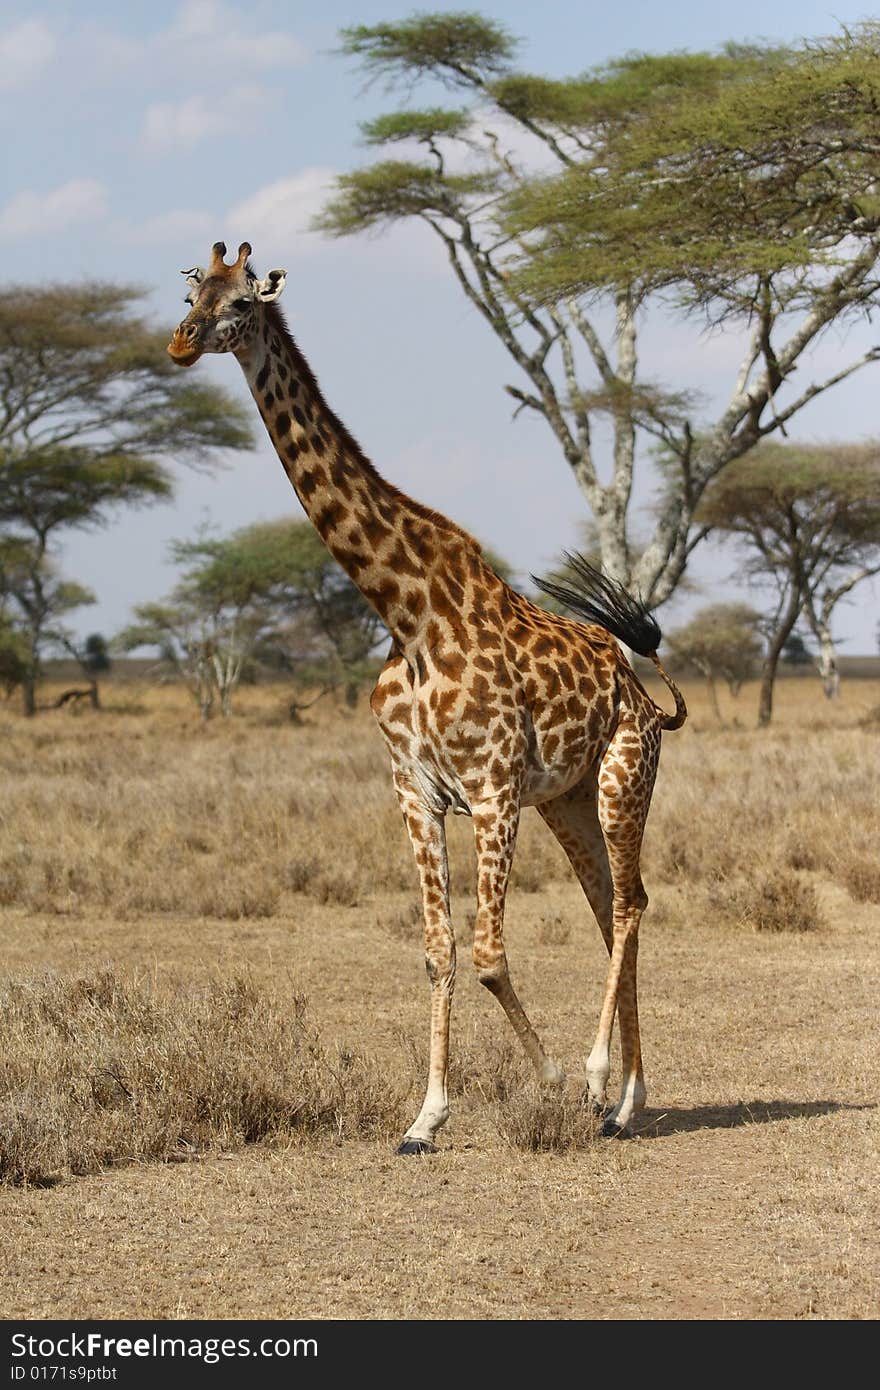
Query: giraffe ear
{"points": [[270, 289], [194, 276]]}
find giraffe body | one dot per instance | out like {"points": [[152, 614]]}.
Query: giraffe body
{"points": [[487, 702]]}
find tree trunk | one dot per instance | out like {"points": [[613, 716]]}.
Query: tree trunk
{"points": [[713, 698], [820, 624], [828, 668], [29, 696], [94, 697], [771, 660]]}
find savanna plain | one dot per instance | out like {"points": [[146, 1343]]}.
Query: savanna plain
{"points": [[214, 1017]]}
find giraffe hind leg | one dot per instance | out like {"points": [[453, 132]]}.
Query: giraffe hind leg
{"points": [[573, 818], [626, 781]]}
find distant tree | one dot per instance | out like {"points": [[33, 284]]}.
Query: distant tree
{"points": [[40, 600], [322, 619], [721, 641], [184, 642], [795, 651], [90, 406], [823, 597], [13, 657], [96, 655], [93, 659], [807, 517], [271, 592], [740, 184]]}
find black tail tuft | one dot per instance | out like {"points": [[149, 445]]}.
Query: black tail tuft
{"points": [[601, 600]]}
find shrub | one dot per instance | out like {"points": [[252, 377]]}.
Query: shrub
{"points": [[775, 903], [105, 1070]]}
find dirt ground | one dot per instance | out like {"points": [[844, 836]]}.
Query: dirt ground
{"points": [[750, 1191]]}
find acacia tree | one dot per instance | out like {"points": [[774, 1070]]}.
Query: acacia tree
{"points": [[90, 409], [721, 641], [320, 602], [808, 520], [184, 643], [209, 627], [822, 597], [13, 656], [741, 184], [269, 592]]}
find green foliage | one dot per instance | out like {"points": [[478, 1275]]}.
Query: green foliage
{"points": [[96, 657], [457, 46], [395, 189], [69, 487], [321, 618], [269, 593], [721, 641], [710, 173], [425, 126], [815, 501], [35, 600], [13, 656], [82, 369], [91, 408], [795, 651]]}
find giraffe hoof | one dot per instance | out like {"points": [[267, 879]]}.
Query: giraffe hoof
{"points": [[416, 1146], [612, 1130]]}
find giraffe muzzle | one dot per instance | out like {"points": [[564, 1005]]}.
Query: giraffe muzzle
{"points": [[184, 348]]}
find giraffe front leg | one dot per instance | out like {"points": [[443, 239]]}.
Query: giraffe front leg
{"points": [[427, 832], [495, 827]]}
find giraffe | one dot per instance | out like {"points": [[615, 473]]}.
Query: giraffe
{"points": [[487, 702]]}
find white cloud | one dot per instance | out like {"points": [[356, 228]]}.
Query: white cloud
{"points": [[25, 50], [181, 125], [212, 32], [29, 213], [183, 225], [278, 215]]}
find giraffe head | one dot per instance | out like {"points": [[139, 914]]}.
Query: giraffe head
{"points": [[225, 302]]}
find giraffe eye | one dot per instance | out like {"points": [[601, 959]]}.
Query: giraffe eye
{"points": [[240, 305]]}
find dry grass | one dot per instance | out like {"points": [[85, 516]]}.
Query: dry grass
{"points": [[103, 1070], [780, 902], [133, 815], [540, 1120], [170, 895]]}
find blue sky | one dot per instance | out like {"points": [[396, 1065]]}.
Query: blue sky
{"points": [[145, 132]]}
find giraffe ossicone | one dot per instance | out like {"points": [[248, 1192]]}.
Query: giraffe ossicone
{"points": [[487, 702]]}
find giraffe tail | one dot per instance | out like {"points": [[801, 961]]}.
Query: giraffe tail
{"points": [[592, 595], [670, 721]]}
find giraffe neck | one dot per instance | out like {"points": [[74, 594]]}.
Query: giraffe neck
{"points": [[390, 545]]}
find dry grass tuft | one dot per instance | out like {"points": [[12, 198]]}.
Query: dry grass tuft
{"points": [[861, 878], [404, 923], [775, 903], [871, 718], [107, 1070], [540, 1120], [554, 930]]}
